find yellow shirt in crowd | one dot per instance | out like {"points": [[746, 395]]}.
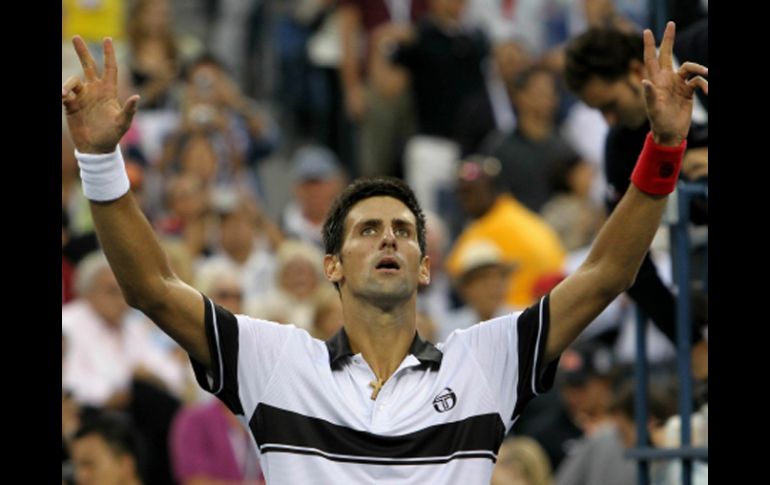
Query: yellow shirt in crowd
{"points": [[93, 19], [523, 238]]}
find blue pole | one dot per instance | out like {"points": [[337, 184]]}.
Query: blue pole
{"points": [[682, 263], [640, 396], [658, 17]]}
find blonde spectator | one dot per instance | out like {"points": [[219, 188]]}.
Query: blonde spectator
{"points": [[328, 317], [522, 461], [299, 286]]}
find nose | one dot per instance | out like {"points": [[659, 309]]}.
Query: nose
{"points": [[388, 238]]}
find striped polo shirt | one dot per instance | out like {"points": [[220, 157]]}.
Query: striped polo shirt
{"points": [[440, 418]]}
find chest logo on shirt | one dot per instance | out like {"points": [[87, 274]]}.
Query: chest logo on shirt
{"points": [[445, 400]]}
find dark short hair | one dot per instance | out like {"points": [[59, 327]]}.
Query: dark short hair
{"points": [[521, 81], [661, 400], [206, 58], [118, 433], [364, 188], [558, 171], [603, 52]]}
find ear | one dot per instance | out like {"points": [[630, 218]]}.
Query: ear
{"points": [[423, 277], [333, 268]]}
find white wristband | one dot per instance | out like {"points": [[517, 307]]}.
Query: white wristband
{"points": [[104, 175]]}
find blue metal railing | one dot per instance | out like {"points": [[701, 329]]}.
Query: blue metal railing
{"points": [[680, 239]]}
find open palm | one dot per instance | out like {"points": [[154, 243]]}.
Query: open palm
{"points": [[669, 93], [96, 119]]}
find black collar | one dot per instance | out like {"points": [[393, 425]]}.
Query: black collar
{"points": [[339, 347]]}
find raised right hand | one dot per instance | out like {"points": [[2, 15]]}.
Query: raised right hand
{"points": [[95, 118]]}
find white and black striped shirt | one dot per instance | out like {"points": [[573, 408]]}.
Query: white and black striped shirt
{"points": [[440, 418]]}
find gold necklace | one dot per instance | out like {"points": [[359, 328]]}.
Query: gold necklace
{"points": [[376, 386]]}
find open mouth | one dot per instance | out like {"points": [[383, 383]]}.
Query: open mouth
{"points": [[388, 265]]}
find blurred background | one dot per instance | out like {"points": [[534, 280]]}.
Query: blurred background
{"points": [[516, 122]]}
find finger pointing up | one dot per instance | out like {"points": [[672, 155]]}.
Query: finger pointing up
{"points": [[88, 63]]}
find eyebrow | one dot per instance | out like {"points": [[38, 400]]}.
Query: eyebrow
{"points": [[378, 222], [402, 222]]}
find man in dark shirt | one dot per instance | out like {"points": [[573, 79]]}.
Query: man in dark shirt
{"points": [[605, 68]]}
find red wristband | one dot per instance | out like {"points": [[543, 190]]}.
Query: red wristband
{"points": [[657, 168]]}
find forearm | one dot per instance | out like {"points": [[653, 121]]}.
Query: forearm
{"points": [[132, 249], [610, 268], [618, 250], [145, 276], [624, 239]]}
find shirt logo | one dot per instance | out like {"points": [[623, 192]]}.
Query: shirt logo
{"points": [[445, 400]]}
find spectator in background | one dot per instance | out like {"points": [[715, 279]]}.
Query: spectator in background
{"points": [[570, 211], [223, 285], [328, 317], [491, 109], [524, 20], [318, 179], [587, 387], [155, 58], [221, 131], [435, 298], [70, 423], [663, 428], [67, 269], [105, 352], [107, 451], [375, 91], [247, 243], [299, 286], [482, 282], [444, 61], [114, 362], [605, 68], [521, 235], [187, 214], [209, 446], [527, 153], [521, 461]]}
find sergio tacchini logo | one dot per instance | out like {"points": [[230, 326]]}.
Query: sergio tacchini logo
{"points": [[445, 400]]}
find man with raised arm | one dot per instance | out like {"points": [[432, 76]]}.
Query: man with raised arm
{"points": [[375, 402]]}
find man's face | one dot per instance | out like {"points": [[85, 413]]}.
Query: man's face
{"points": [[380, 257], [476, 196], [485, 289], [96, 463], [315, 197], [621, 101], [237, 232], [538, 97]]}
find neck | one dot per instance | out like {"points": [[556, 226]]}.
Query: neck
{"points": [[535, 127], [383, 337]]}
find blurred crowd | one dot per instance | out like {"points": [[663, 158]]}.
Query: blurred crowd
{"points": [[517, 124]]}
